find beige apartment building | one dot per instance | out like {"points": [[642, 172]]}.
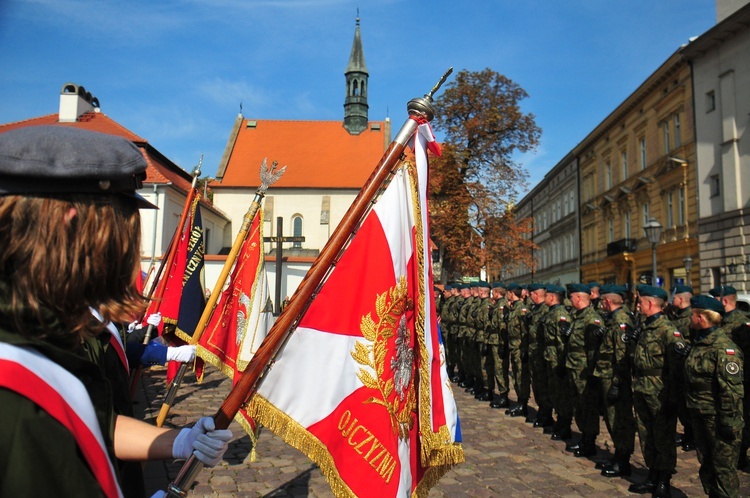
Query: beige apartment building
{"points": [[636, 166]]}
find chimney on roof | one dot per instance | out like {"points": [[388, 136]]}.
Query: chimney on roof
{"points": [[75, 101]]}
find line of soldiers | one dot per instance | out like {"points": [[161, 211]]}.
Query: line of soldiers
{"points": [[585, 354]]}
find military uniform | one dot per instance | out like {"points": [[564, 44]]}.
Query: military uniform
{"points": [[613, 371], [448, 324], [518, 353], [714, 393], [581, 357], [537, 367], [464, 334], [657, 367], [483, 358], [497, 341], [555, 323]]}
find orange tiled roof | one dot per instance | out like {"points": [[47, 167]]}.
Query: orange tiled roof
{"points": [[160, 169], [319, 154]]}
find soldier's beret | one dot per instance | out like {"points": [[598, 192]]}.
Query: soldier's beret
{"points": [[513, 287], [594, 285], [651, 291], [681, 289], [534, 287], [579, 288], [62, 159], [448, 287], [558, 289], [613, 289], [498, 285], [703, 302], [483, 284], [722, 290]]}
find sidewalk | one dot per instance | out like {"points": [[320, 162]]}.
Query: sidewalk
{"points": [[504, 456]]}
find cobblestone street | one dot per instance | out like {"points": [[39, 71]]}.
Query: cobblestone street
{"points": [[504, 456]]}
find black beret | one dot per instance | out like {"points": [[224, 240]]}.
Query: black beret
{"points": [[62, 159], [651, 291], [703, 302], [724, 290], [579, 288], [681, 289]]}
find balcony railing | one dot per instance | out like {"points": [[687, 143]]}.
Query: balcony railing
{"points": [[622, 245]]}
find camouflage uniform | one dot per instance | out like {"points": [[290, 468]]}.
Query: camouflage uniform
{"points": [[537, 367], [450, 332], [518, 351], [656, 374], [465, 332], [737, 326], [714, 392], [482, 322], [581, 357], [613, 371], [497, 340], [554, 355], [681, 320]]}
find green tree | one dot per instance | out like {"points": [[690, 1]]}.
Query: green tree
{"points": [[477, 179]]}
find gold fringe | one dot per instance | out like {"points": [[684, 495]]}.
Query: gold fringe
{"points": [[281, 424], [250, 432]]}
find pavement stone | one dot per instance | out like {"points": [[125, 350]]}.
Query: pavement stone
{"points": [[505, 456]]}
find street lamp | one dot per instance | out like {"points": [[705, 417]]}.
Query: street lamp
{"points": [[688, 263], [652, 229]]}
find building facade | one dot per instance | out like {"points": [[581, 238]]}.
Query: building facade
{"points": [[638, 165], [553, 206], [721, 79]]}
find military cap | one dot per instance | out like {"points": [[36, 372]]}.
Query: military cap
{"points": [[681, 289], [579, 288], [483, 284], [613, 289], [448, 287], [703, 302], [62, 159], [722, 290], [498, 285], [513, 287], [593, 285], [651, 291], [557, 289], [533, 287]]}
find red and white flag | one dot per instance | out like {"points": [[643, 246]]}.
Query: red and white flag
{"points": [[360, 386], [242, 317]]}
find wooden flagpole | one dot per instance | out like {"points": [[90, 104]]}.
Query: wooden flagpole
{"points": [[419, 109]]}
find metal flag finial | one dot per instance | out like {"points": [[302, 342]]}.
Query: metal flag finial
{"points": [[423, 105], [269, 175]]}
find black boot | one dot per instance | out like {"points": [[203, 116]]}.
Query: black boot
{"points": [[575, 446], [605, 465], [562, 431], [662, 486], [487, 396], [479, 392], [647, 486], [520, 410], [501, 402], [618, 469], [588, 447]]}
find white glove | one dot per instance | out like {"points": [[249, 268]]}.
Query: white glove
{"points": [[183, 354], [154, 319], [208, 444], [159, 494]]}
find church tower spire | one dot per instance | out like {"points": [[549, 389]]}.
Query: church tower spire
{"points": [[355, 104]]}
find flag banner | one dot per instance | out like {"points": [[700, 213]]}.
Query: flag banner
{"points": [[242, 318], [184, 298], [360, 386]]}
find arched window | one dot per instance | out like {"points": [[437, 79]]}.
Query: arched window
{"points": [[297, 230], [356, 88]]}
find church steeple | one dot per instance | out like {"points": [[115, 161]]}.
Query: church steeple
{"points": [[355, 105]]}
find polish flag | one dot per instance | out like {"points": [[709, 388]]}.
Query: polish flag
{"points": [[360, 385]]}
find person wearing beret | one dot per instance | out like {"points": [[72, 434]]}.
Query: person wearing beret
{"points": [[447, 322], [613, 369], [537, 367], [497, 340], [465, 331], [582, 350], [714, 392], [680, 314], [595, 292], [482, 358], [557, 325], [472, 363], [518, 350], [658, 359], [70, 232]]}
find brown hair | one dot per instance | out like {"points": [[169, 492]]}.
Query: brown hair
{"points": [[66, 253]]}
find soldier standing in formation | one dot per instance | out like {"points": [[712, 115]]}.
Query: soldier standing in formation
{"points": [[556, 324], [518, 350], [680, 315], [498, 344], [714, 392], [537, 367]]}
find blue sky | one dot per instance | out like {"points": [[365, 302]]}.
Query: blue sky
{"points": [[175, 72]]}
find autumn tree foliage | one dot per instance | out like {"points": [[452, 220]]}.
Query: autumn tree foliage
{"points": [[475, 182]]}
